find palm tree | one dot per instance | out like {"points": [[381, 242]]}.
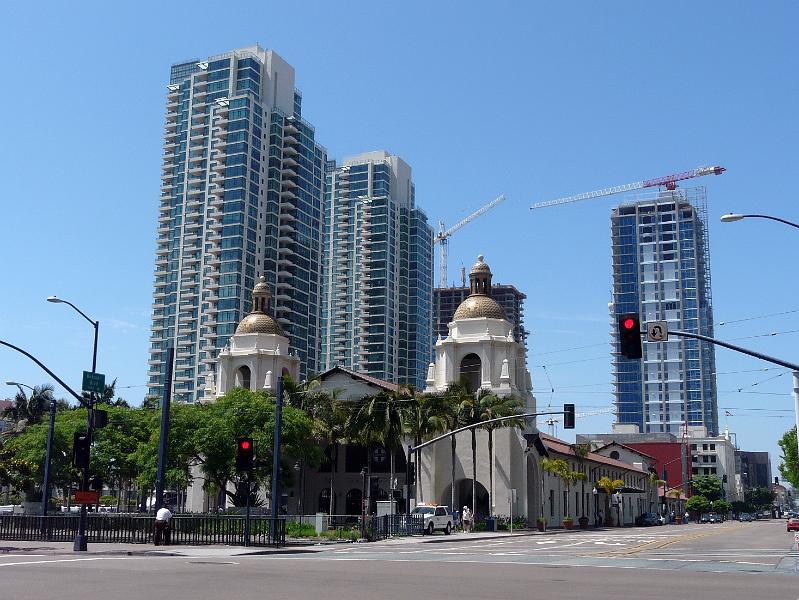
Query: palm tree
{"points": [[423, 419], [450, 417], [330, 419], [470, 413], [378, 419], [492, 407], [31, 409]]}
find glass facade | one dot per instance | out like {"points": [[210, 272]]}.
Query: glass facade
{"points": [[377, 271], [661, 270], [240, 197]]}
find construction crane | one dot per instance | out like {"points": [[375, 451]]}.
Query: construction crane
{"points": [[669, 182], [551, 422], [442, 237]]}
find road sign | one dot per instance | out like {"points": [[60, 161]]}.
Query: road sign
{"points": [[657, 331], [93, 382], [87, 497], [796, 538]]}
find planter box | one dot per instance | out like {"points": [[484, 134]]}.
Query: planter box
{"points": [[583, 521], [568, 524], [541, 526]]}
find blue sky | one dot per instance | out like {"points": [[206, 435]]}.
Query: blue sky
{"points": [[536, 100]]}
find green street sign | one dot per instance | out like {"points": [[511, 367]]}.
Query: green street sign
{"points": [[93, 382]]}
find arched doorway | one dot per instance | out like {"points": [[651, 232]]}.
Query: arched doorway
{"points": [[243, 377], [352, 503], [324, 501], [471, 371], [463, 497]]}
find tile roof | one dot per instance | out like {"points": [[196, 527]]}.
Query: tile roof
{"points": [[386, 385], [562, 447], [630, 448]]}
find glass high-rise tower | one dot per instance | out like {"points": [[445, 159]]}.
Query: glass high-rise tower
{"points": [[241, 193], [377, 271], [661, 270]]}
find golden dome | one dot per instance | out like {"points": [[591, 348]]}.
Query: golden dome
{"points": [[480, 266], [478, 306], [258, 323]]}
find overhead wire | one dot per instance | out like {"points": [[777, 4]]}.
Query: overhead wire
{"points": [[787, 312]]}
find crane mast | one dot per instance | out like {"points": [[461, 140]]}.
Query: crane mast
{"points": [[443, 235], [669, 182]]}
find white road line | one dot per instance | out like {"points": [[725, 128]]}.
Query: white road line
{"points": [[65, 560]]}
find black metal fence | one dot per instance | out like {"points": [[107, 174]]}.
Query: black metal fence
{"points": [[379, 528], [200, 529]]}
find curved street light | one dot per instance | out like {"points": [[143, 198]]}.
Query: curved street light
{"points": [[80, 538], [732, 217]]}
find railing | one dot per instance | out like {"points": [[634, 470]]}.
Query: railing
{"points": [[380, 528], [187, 529]]}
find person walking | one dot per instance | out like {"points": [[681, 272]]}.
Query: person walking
{"points": [[467, 520], [162, 529]]}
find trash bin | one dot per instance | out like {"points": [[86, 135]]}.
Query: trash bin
{"points": [[491, 524]]}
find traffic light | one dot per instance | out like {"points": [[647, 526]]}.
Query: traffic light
{"points": [[411, 473], [630, 335], [568, 416], [99, 418], [80, 450], [244, 454]]}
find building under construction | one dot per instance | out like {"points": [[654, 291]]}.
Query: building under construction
{"points": [[661, 270], [446, 300]]}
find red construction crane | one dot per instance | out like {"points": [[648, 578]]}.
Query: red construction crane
{"points": [[669, 182]]}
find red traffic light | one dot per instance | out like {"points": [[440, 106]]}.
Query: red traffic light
{"points": [[628, 323], [244, 444]]}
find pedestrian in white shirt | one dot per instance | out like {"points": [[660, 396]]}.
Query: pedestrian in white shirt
{"points": [[467, 519], [162, 529]]}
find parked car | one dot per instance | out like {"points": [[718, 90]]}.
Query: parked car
{"points": [[435, 518], [648, 519], [714, 518], [745, 517], [704, 518], [793, 524]]}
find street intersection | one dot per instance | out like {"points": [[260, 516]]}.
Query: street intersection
{"points": [[730, 560]]}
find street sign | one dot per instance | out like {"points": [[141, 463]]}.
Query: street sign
{"points": [[87, 497], [657, 331], [93, 382], [796, 538]]}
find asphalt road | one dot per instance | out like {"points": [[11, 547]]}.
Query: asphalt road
{"points": [[729, 561]]}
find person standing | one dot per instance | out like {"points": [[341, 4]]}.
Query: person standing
{"points": [[162, 519], [467, 520]]}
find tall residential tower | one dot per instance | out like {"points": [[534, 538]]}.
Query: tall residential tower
{"points": [[241, 193], [378, 263], [661, 269]]}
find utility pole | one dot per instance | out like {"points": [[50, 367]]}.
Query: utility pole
{"points": [[163, 440]]}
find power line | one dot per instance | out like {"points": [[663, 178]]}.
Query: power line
{"points": [[788, 410], [761, 335], [787, 312], [568, 349]]}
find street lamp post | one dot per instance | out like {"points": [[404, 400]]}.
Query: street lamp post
{"points": [[79, 544], [731, 218]]}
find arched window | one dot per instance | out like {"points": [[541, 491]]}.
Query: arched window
{"points": [[243, 377], [615, 455], [470, 371], [353, 502], [324, 501]]}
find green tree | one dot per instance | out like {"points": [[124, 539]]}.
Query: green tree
{"points": [[444, 416], [698, 504], [560, 468], [708, 486], [243, 413], [609, 486], [469, 413], [722, 506], [760, 497], [789, 467]]}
